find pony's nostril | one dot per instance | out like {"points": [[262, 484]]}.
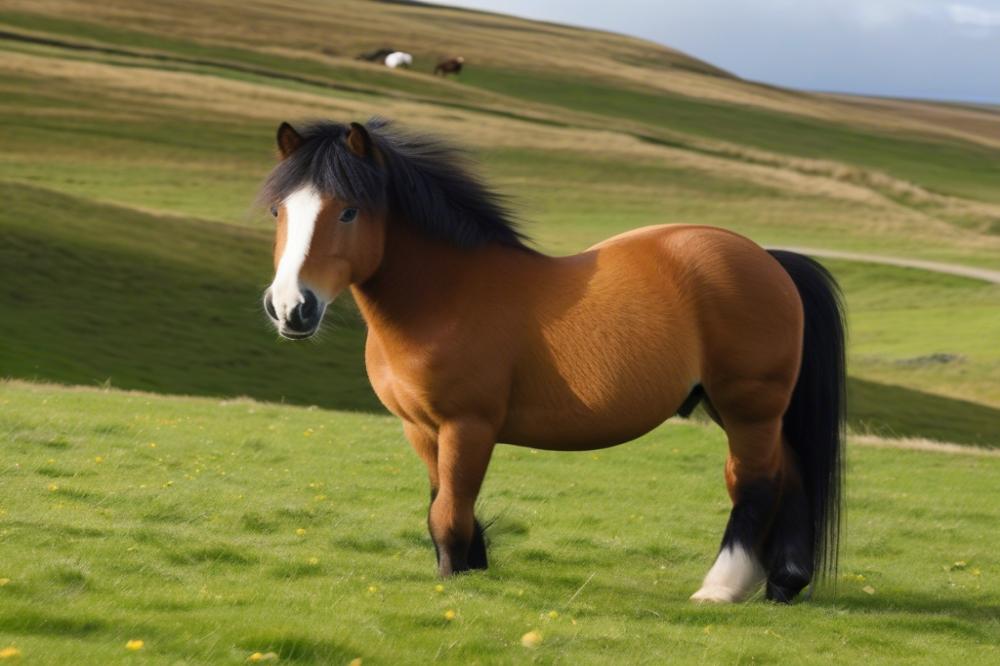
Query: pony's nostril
{"points": [[301, 320], [295, 321], [269, 306], [309, 305]]}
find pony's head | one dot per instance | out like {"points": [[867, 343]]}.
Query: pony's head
{"points": [[337, 192], [327, 196]]}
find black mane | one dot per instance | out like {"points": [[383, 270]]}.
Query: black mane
{"points": [[420, 179]]}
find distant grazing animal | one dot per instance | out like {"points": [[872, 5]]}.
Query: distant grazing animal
{"points": [[450, 66], [378, 55], [474, 338], [398, 59]]}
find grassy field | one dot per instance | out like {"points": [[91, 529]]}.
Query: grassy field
{"points": [[211, 530]]}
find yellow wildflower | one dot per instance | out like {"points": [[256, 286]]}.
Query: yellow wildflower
{"points": [[439, 588], [553, 614], [263, 656], [314, 561], [135, 645], [10, 653], [301, 531], [532, 639], [355, 662], [53, 487], [449, 615]]}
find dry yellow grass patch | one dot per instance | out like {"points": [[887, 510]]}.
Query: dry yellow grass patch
{"points": [[921, 444], [970, 123]]}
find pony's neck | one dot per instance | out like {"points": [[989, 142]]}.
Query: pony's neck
{"points": [[420, 277]]}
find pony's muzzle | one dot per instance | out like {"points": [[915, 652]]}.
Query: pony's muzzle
{"points": [[298, 322]]}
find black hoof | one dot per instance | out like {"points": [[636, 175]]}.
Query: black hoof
{"points": [[784, 585], [452, 561], [477, 549]]}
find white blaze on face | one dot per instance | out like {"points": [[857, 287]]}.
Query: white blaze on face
{"points": [[734, 576], [301, 210]]}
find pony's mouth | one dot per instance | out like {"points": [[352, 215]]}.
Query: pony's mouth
{"points": [[296, 335]]}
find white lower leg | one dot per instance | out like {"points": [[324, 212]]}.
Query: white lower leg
{"points": [[734, 576]]}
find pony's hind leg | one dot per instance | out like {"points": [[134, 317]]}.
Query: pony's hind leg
{"points": [[753, 479], [789, 549]]}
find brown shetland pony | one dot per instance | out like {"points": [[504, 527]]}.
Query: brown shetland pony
{"points": [[449, 66], [474, 339]]}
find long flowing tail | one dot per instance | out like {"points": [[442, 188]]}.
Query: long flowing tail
{"points": [[814, 423]]}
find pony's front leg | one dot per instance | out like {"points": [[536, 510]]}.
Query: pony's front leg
{"points": [[463, 454]]}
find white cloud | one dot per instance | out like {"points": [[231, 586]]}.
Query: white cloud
{"points": [[975, 17], [878, 14], [938, 49]]}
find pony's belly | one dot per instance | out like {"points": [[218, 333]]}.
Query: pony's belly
{"points": [[569, 436], [572, 424], [604, 374]]}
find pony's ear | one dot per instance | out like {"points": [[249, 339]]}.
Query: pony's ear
{"points": [[359, 141], [288, 140]]}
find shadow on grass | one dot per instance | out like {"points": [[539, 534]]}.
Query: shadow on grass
{"points": [[291, 647], [123, 298], [936, 613], [894, 411], [30, 622]]}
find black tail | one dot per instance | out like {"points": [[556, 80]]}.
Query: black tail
{"points": [[814, 422]]}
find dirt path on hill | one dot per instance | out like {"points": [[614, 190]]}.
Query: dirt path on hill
{"points": [[983, 274]]}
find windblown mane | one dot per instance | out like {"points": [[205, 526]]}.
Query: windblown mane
{"points": [[420, 179]]}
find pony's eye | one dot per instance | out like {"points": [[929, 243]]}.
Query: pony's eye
{"points": [[348, 215], [274, 211]]}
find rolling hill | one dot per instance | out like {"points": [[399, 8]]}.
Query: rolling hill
{"points": [[134, 135]]}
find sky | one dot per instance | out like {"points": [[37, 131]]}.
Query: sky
{"points": [[944, 49]]}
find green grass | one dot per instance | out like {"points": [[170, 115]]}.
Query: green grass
{"points": [[914, 328], [112, 149], [191, 545]]}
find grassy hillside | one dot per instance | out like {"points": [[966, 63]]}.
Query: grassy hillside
{"points": [[135, 135], [186, 319], [212, 530]]}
